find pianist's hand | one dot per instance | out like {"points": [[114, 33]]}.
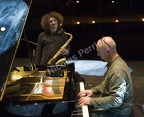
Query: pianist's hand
{"points": [[84, 97], [85, 93], [84, 101]]}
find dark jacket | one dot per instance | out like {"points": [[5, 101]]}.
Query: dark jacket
{"points": [[48, 45]]}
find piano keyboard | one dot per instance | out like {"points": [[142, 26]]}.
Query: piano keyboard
{"points": [[85, 107], [81, 111]]}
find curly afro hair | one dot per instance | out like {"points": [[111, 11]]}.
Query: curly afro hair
{"points": [[46, 17]]}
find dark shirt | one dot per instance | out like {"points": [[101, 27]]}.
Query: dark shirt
{"points": [[48, 45]]}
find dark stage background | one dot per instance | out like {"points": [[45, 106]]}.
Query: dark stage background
{"points": [[118, 18]]}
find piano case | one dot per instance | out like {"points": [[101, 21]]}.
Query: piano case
{"points": [[27, 85]]}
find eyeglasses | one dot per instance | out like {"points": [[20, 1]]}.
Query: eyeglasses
{"points": [[52, 20], [106, 43], [101, 41]]}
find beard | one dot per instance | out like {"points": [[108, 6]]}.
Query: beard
{"points": [[53, 28]]}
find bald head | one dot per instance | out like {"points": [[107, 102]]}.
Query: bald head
{"points": [[106, 48], [110, 42], [106, 42]]}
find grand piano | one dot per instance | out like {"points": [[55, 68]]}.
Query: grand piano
{"points": [[30, 86]]}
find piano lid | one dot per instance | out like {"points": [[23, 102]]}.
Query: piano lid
{"points": [[13, 15]]}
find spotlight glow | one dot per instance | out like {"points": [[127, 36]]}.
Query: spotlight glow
{"points": [[2, 28]]}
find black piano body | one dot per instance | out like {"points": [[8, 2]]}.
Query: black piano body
{"points": [[28, 90], [26, 86]]}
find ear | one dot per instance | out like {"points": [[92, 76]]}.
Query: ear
{"points": [[108, 51]]}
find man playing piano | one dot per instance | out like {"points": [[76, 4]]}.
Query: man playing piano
{"points": [[116, 91]]}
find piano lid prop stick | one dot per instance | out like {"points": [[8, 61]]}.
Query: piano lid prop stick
{"points": [[31, 92]]}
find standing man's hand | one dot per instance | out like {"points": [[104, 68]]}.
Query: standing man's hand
{"points": [[64, 52]]}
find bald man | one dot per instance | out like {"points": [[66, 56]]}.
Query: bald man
{"points": [[116, 92]]}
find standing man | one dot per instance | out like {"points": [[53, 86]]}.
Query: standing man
{"points": [[51, 40], [116, 91]]}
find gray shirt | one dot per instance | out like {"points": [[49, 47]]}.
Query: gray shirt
{"points": [[116, 90]]}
